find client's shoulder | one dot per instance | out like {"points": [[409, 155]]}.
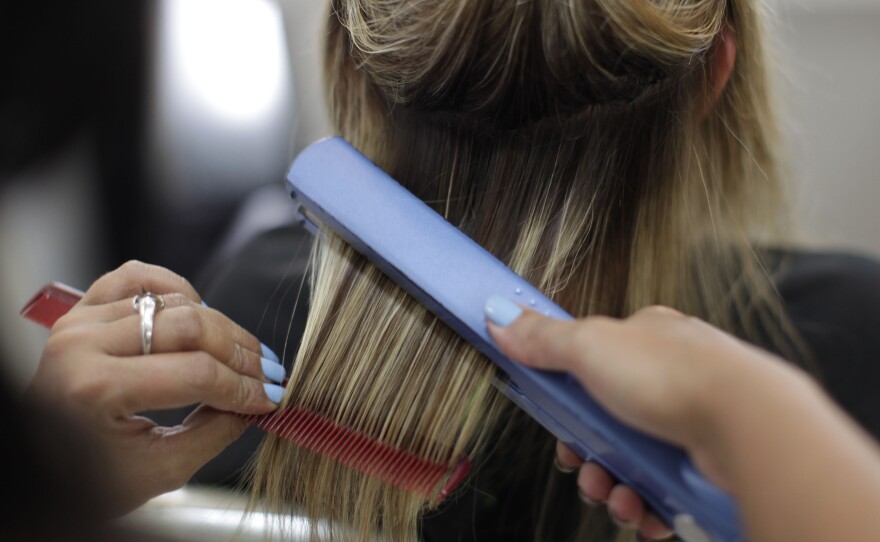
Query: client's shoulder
{"points": [[836, 280], [833, 300]]}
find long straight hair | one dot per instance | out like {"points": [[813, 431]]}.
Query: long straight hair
{"points": [[570, 139]]}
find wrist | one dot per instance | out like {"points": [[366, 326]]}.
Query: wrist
{"points": [[741, 406]]}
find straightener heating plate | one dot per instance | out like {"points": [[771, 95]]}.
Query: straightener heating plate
{"points": [[453, 276]]}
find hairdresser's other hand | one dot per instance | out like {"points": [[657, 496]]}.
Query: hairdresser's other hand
{"points": [[659, 371], [93, 368]]}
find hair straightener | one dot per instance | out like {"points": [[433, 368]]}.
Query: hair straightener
{"points": [[453, 276]]}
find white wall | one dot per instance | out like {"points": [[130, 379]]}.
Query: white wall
{"points": [[831, 69], [305, 31]]}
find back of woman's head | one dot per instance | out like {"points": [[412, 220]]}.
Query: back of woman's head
{"points": [[584, 144]]}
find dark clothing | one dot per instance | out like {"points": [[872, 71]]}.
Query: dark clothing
{"points": [[56, 488], [833, 301], [263, 288]]}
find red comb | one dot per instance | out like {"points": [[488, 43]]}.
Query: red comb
{"points": [[305, 429], [51, 303], [355, 450]]}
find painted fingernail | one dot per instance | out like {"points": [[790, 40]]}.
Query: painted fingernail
{"points": [[273, 392], [501, 311], [562, 468], [205, 304], [273, 371], [586, 500], [269, 354]]}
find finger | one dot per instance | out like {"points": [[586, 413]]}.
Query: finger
{"points": [[594, 483], [201, 437], [653, 528], [116, 310], [530, 338], [545, 343], [161, 381], [625, 506], [566, 460], [134, 278], [192, 328], [170, 456]]}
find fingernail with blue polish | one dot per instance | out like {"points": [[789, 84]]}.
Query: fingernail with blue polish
{"points": [[273, 392], [273, 371], [269, 354], [501, 311], [204, 304]]}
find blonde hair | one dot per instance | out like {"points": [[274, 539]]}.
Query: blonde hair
{"points": [[568, 138]]}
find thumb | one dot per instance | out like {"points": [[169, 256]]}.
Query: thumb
{"points": [[545, 343], [646, 370], [203, 435]]}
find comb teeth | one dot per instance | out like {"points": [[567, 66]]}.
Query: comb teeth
{"points": [[392, 465]]}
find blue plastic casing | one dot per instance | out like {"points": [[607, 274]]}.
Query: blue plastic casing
{"points": [[453, 277]]}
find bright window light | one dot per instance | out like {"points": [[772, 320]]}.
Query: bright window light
{"points": [[228, 55]]}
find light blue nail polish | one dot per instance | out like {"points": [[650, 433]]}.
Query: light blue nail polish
{"points": [[273, 371], [501, 311], [269, 354], [205, 304], [273, 392]]}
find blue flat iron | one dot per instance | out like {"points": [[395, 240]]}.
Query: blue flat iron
{"points": [[453, 276]]}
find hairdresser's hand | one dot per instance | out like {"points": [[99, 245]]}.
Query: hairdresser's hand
{"points": [[659, 371], [93, 368]]}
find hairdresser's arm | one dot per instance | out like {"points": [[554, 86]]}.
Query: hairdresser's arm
{"points": [[798, 466], [93, 369]]}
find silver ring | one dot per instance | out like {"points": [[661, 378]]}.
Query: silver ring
{"points": [[147, 305]]}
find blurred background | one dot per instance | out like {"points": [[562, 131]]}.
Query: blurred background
{"points": [[161, 129]]}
